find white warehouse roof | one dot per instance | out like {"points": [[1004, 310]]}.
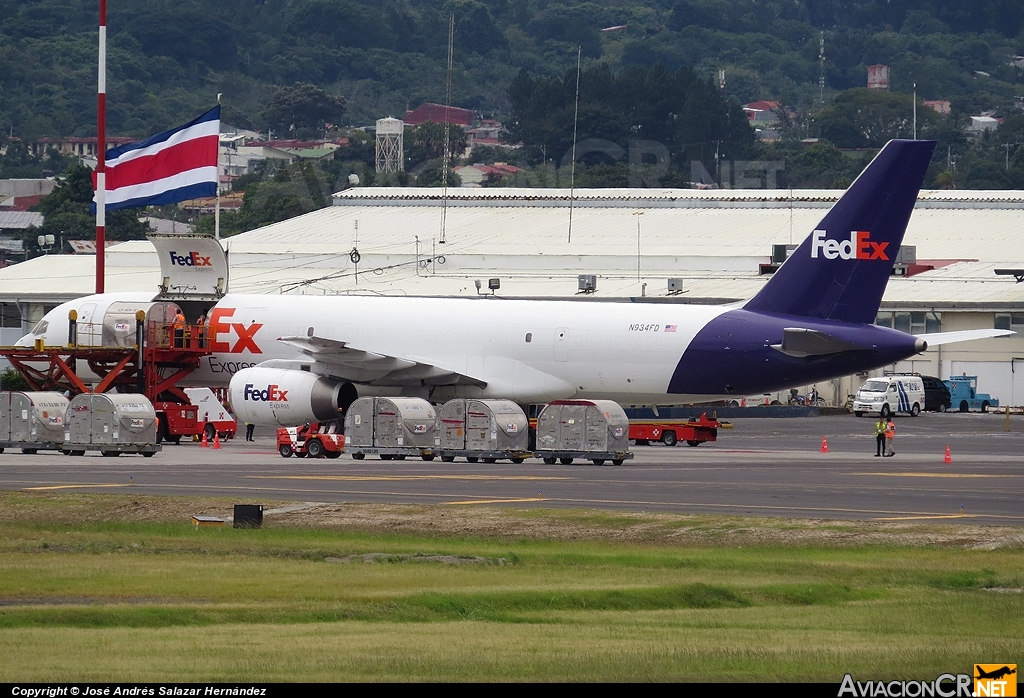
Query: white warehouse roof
{"points": [[713, 240]]}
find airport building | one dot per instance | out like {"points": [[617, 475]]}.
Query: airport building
{"points": [[960, 266]]}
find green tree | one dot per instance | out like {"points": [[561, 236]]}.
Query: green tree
{"points": [[12, 380], [638, 108], [426, 142], [287, 192], [303, 105], [66, 213], [431, 176], [863, 118]]}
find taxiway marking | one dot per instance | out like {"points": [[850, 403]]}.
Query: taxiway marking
{"points": [[388, 478], [498, 501], [71, 487], [937, 516], [950, 475]]}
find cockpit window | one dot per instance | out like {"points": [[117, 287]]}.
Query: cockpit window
{"points": [[40, 329]]}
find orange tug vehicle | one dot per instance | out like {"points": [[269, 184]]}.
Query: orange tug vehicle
{"points": [[670, 431], [314, 440]]}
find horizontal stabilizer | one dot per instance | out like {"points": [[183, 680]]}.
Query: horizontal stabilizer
{"points": [[934, 339], [801, 342]]}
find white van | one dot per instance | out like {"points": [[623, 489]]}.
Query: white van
{"points": [[887, 395]]}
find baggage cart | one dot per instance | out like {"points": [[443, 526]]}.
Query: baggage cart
{"points": [[392, 428], [111, 423], [594, 430], [32, 421], [487, 430]]}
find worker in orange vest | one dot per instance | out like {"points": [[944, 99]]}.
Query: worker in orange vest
{"points": [[201, 327], [890, 436], [179, 330]]}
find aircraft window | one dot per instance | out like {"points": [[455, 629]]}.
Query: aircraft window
{"points": [[40, 328], [529, 337]]}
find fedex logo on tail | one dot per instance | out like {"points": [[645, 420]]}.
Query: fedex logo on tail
{"points": [[272, 394], [859, 246]]}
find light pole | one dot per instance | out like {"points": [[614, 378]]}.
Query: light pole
{"points": [[45, 243]]}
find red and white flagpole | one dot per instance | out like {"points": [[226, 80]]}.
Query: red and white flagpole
{"points": [[101, 152]]}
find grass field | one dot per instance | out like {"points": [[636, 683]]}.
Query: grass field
{"points": [[108, 587]]}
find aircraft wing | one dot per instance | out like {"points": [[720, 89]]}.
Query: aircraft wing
{"points": [[342, 360], [936, 338]]}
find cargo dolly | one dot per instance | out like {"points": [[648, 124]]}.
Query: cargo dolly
{"points": [[391, 452], [596, 457], [31, 447], [474, 456]]}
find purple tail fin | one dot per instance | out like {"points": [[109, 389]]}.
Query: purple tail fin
{"points": [[840, 271]]}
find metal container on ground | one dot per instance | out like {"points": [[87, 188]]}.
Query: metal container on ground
{"points": [[110, 423], [390, 427], [595, 430], [32, 421], [486, 430]]}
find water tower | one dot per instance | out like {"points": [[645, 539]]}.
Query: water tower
{"points": [[390, 151]]}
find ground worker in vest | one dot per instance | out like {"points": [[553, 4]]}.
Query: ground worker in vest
{"points": [[890, 436], [179, 330], [880, 428], [201, 329]]}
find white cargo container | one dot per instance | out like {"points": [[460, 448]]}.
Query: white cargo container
{"points": [[391, 427], [485, 430], [32, 421], [111, 423], [596, 430]]}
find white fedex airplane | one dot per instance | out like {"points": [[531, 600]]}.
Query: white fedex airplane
{"points": [[290, 359]]}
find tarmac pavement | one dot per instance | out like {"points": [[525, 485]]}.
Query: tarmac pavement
{"points": [[763, 467]]}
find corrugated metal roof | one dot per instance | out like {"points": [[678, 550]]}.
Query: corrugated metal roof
{"points": [[57, 277], [680, 198], [715, 250], [986, 234], [20, 220]]}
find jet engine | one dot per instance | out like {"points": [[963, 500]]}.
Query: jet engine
{"points": [[284, 396]]}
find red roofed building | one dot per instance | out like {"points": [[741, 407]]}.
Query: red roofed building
{"points": [[428, 111], [479, 174], [75, 145]]}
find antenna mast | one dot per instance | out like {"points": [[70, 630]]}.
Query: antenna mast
{"points": [[575, 123], [821, 75], [447, 130]]}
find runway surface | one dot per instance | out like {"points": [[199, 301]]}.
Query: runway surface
{"points": [[763, 467]]}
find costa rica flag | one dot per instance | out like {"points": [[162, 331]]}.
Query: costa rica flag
{"points": [[172, 166]]}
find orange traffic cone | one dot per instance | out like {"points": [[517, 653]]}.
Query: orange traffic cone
{"points": [[949, 456], [824, 444], [743, 402], [204, 444], [216, 440]]}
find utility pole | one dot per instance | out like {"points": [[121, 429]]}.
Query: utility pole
{"points": [[915, 111], [821, 76]]}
